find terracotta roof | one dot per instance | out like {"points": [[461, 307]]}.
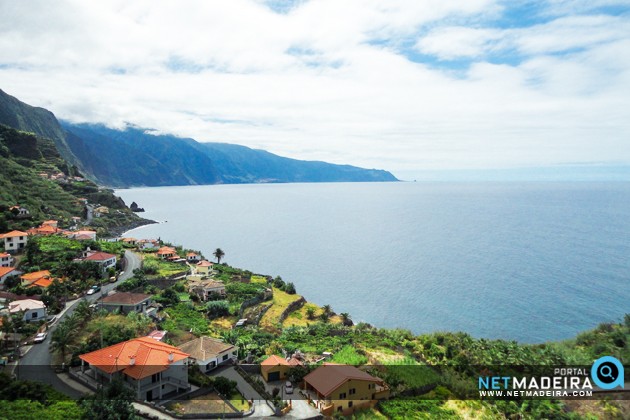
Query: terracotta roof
{"points": [[37, 275], [99, 256], [25, 305], [192, 254], [204, 263], [13, 234], [203, 348], [150, 357], [50, 222], [43, 282], [274, 360], [207, 284], [128, 239], [325, 379], [6, 270], [83, 237], [46, 230], [166, 250], [125, 298], [4, 254]]}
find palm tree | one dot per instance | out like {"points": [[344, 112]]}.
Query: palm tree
{"points": [[219, 254], [61, 339], [327, 310], [310, 313]]}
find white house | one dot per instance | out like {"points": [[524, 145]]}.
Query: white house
{"points": [[104, 259], [6, 260], [34, 310], [15, 240], [210, 352], [6, 272]]}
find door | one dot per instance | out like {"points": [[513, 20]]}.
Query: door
{"points": [[150, 395], [274, 376]]}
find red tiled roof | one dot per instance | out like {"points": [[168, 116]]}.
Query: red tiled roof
{"points": [[43, 282], [13, 234], [274, 360], [166, 250], [151, 356], [204, 263], [6, 270], [325, 379], [99, 256], [37, 275]]}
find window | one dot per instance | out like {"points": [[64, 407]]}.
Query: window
{"points": [[340, 408], [349, 404], [342, 395], [225, 356], [352, 391], [34, 315]]}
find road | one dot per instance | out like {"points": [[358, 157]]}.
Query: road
{"points": [[35, 365]]}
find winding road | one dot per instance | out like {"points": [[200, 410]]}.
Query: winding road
{"points": [[36, 364]]}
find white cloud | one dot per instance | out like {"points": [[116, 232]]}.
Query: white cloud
{"points": [[317, 83]]}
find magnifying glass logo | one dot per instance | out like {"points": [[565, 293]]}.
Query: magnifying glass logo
{"points": [[606, 371]]}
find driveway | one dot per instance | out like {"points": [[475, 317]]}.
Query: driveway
{"points": [[301, 409], [261, 409]]}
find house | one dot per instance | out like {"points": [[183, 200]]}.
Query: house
{"points": [[37, 278], [125, 302], [33, 310], [15, 240], [150, 368], [276, 368], [204, 267], [100, 211], [210, 352], [6, 272], [157, 335], [342, 389], [104, 259], [51, 223], [19, 212], [6, 260], [193, 257], [148, 244], [82, 235], [129, 241], [206, 288], [166, 252]]}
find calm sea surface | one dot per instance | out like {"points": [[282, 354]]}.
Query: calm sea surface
{"points": [[524, 261]]}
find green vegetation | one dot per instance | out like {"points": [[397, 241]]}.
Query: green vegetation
{"points": [[152, 265], [185, 317], [23, 157], [348, 355], [281, 300]]}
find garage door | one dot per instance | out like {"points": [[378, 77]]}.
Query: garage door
{"points": [[274, 376]]}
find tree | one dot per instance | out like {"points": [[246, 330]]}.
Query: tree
{"points": [[113, 401], [327, 310], [61, 339], [346, 319], [219, 254], [290, 288], [310, 313]]}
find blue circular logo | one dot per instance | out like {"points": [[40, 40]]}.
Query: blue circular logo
{"points": [[607, 373]]}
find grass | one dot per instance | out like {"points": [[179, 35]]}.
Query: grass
{"points": [[281, 300], [185, 317], [164, 268], [299, 318], [183, 297], [224, 323], [259, 279], [239, 402], [348, 355]]}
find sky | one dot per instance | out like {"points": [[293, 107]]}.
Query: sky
{"points": [[402, 85]]}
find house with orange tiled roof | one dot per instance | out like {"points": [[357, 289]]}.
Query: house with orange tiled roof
{"points": [[276, 368], [104, 259], [82, 235], [36, 278], [204, 267], [6, 272], [6, 260], [335, 388], [193, 257], [166, 252], [15, 240], [152, 369]]}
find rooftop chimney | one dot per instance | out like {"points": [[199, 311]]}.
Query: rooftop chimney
{"points": [[171, 357], [132, 360]]}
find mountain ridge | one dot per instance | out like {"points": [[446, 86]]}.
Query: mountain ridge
{"points": [[136, 157]]}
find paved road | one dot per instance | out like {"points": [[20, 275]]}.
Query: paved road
{"points": [[35, 365], [261, 409]]}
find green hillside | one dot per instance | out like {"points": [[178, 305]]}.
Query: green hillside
{"points": [[26, 164]]}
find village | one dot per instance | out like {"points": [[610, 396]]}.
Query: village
{"points": [[187, 335]]}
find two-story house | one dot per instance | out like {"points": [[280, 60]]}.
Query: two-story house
{"points": [[6, 260], [103, 259], [342, 389], [15, 240], [150, 368], [205, 288]]}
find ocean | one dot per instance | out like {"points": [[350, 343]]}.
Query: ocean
{"points": [[526, 261]]}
